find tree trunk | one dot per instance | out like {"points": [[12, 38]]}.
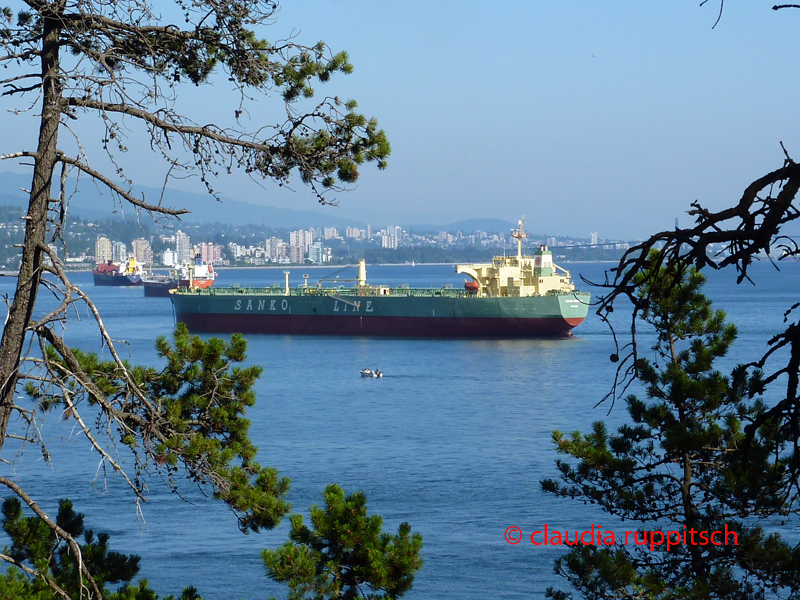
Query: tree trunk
{"points": [[21, 310]]}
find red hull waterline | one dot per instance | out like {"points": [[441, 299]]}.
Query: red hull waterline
{"points": [[379, 326]]}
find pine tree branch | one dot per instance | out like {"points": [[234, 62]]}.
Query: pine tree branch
{"points": [[34, 573]]}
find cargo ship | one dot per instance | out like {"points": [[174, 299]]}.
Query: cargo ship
{"points": [[200, 275], [111, 273], [511, 297]]}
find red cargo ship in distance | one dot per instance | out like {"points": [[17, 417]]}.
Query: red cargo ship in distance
{"points": [[200, 275], [111, 273]]}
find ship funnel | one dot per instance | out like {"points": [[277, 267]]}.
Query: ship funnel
{"points": [[362, 273]]}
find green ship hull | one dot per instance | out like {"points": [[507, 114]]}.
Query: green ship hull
{"points": [[378, 311]]}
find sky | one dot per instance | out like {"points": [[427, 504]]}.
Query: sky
{"points": [[584, 116]]}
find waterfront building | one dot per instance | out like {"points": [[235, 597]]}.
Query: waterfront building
{"points": [[390, 237], [297, 254], [210, 253], [119, 251], [301, 238], [169, 258], [184, 248], [142, 251], [316, 253], [276, 249], [102, 250]]}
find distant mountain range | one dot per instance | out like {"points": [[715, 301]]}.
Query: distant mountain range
{"points": [[90, 203]]}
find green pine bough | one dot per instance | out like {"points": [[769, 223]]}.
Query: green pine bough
{"points": [[683, 462], [345, 554]]}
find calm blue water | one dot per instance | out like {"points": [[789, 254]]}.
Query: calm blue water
{"points": [[454, 439]]}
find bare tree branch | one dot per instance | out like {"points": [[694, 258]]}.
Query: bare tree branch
{"points": [[118, 190]]}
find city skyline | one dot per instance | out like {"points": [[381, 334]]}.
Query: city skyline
{"points": [[296, 247], [116, 240]]}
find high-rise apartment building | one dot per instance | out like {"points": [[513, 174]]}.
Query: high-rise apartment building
{"points": [[142, 251], [183, 247], [387, 241], [355, 233], [119, 251], [297, 254], [316, 253], [275, 249], [301, 238], [210, 252], [102, 250], [169, 258], [235, 250], [391, 237]]}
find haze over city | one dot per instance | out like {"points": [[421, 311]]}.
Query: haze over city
{"points": [[586, 118]]}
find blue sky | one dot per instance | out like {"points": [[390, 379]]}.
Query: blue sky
{"points": [[584, 116]]}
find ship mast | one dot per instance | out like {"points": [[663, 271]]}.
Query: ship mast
{"points": [[519, 234]]}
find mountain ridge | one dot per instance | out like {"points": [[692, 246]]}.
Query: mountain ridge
{"points": [[90, 203]]}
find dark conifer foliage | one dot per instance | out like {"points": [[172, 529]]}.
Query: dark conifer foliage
{"points": [[684, 464], [185, 420], [345, 554], [37, 548]]}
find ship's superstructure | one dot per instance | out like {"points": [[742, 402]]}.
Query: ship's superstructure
{"points": [[519, 276], [511, 297], [199, 275]]}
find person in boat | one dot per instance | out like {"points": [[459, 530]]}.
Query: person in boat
{"points": [[377, 372]]}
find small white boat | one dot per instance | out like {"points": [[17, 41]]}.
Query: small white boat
{"points": [[371, 373]]}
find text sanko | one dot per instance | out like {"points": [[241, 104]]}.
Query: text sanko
{"points": [[595, 536]]}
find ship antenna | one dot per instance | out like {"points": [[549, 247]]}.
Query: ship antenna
{"points": [[519, 234]]}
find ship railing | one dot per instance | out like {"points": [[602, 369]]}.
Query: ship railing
{"points": [[402, 292], [505, 261]]}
